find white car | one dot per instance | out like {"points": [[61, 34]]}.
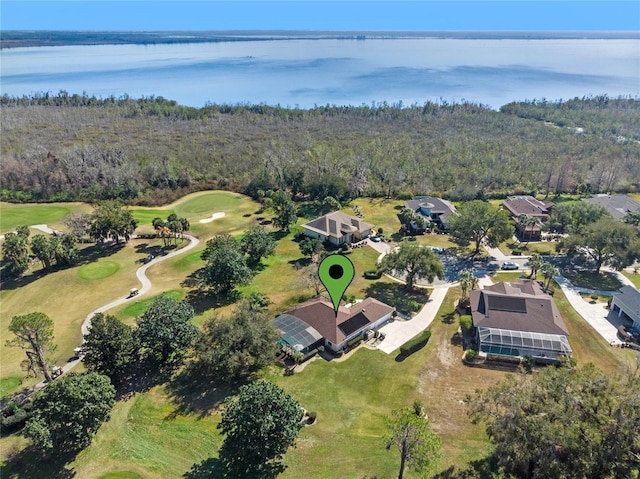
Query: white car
{"points": [[509, 265], [437, 249]]}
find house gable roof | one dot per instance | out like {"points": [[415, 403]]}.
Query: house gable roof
{"points": [[527, 205], [629, 298], [617, 205], [319, 314], [437, 205], [337, 224], [519, 306]]}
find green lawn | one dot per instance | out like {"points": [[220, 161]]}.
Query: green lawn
{"points": [[587, 345], [540, 247], [603, 281], [103, 268], [139, 307], [146, 216], [634, 277], [206, 204], [12, 215], [9, 385], [380, 212]]}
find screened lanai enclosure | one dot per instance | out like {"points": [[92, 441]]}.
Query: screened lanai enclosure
{"points": [[507, 342]]}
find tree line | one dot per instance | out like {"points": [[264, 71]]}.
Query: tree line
{"points": [[151, 150]]}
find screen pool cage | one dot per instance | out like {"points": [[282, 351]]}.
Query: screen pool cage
{"points": [[507, 342]]}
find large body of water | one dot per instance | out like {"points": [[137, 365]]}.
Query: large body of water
{"points": [[306, 72]]}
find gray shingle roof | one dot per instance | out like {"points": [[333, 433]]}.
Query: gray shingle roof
{"points": [[617, 205]]}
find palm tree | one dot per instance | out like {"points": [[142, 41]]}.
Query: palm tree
{"points": [[549, 271], [523, 222], [467, 282], [532, 222], [536, 263]]}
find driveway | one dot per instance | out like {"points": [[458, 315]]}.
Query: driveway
{"points": [[400, 331], [602, 320]]}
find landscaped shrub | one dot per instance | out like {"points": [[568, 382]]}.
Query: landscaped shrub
{"points": [[345, 249], [466, 323], [353, 342], [311, 417], [470, 355], [516, 252], [16, 421], [415, 344], [372, 274], [412, 238], [380, 230], [309, 355]]}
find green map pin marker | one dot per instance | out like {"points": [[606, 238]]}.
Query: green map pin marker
{"points": [[336, 273]]}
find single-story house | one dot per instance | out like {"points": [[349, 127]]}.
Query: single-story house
{"points": [[314, 323], [617, 205], [627, 302], [433, 209], [519, 319], [532, 208], [338, 228]]}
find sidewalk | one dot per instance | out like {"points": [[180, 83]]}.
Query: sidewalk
{"points": [[399, 332]]}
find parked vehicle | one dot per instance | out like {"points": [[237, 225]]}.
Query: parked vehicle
{"points": [[375, 239], [437, 249], [509, 265]]}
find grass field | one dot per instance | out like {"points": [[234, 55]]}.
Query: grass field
{"points": [[633, 277], [12, 215], [158, 433]]}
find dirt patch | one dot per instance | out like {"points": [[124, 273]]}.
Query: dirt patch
{"points": [[446, 354]]}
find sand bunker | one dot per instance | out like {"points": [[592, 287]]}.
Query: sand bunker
{"points": [[214, 216]]}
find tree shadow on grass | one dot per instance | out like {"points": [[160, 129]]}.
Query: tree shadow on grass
{"points": [[155, 250], [193, 392], [221, 468], [202, 300], [395, 294], [140, 377], [479, 469], [30, 463], [85, 256]]}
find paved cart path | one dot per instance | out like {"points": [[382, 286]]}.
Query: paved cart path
{"points": [[141, 274]]}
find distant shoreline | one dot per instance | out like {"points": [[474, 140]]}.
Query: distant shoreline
{"points": [[43, 38]]}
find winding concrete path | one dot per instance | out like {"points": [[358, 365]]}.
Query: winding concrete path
{"points": [[141, 274]]}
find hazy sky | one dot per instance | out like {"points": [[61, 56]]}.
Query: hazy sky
{"points": [[544, 15]]}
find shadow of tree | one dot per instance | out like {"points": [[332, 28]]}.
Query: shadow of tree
{"points": [[202, 300], [140, 377], [479, 469], [211, 468], [192, 391], [85, 256], [30, 463], [395, 294]]}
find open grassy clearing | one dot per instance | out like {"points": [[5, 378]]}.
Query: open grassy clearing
{"points": [[104, 274], [380, 212], [633, 277], [9, 385], [603, 281], [540, 247], [13, 215], [145, 436], [67, 296]]}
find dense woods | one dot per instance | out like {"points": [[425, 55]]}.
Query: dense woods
{"points": [[151, 150]]}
